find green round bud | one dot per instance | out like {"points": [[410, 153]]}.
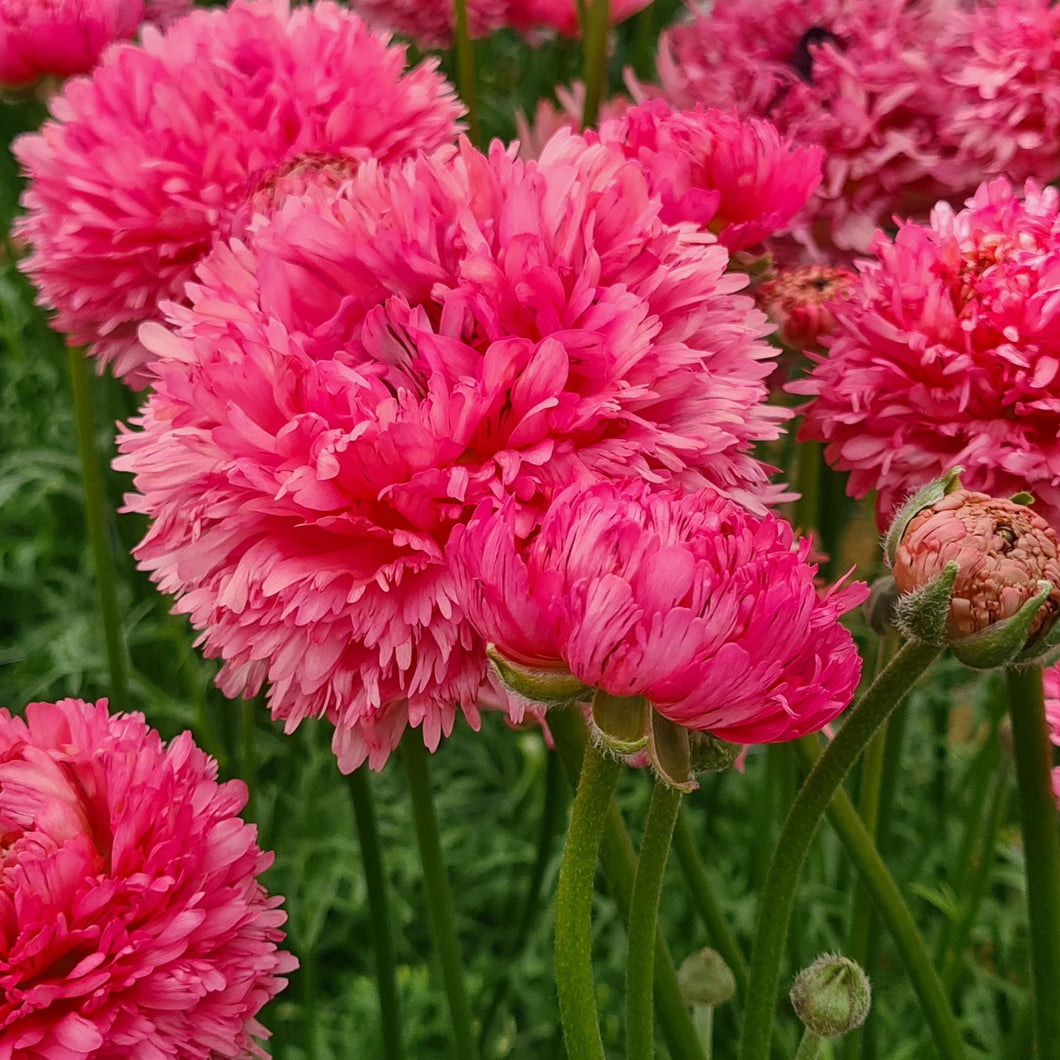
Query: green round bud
{"points": [[705, 979], [831, 996]]}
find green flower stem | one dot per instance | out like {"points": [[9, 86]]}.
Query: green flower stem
{"points": [[465, 70], [248, 755], [439, 898], [807, 514], [551, 813], [644, 919], [810, 1047], [96, 519], [379, 907], [721, 938], [619, 864], [1041, 845], [893, 911], [596, 28], [574, 899], [778, 897]]}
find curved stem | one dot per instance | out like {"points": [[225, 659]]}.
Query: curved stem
{"points": [[778, 897], [1032, 753], [96, 521], [574, 900], [439, 898], [595, 29], [707, 906], [644, 919], [465, 69], [895, 914], [379, 908], [619, 864]]}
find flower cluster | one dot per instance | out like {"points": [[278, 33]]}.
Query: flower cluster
{"points": [[708, 612], [148, 158], [366, 369], [131, 919], [947, 352]]}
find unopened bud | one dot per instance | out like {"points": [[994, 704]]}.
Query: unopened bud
{"points": [[705, 979], [831, 996]]}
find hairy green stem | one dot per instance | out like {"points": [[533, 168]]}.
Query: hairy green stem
{"points": [[439, 897], [893, 911], [778, 897], [810, 1047], [379, 908], [619, 864], [96, 520], [706, 904], [644, 919], [465, 70], [1032, 753], [595, 31], [574, 899]]}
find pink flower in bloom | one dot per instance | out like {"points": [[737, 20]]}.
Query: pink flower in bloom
{"points": [[367, 369], [1004, 64], [799, 301], [40, 38], [145, 161], [1052, 716], [707, 611], [431, 22], [739, 178], [948, 353], [132, 923], [863, 80], [549, 119], [163, 12]]}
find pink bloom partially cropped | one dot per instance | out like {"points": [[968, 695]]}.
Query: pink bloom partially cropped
{"points": [[57, 38], [132, 923], [707, 611], [363, 372], [863, 80], [1052, 716], [163, 12], [146, 160], [740, 179], [1004, 69], [947, 353]]}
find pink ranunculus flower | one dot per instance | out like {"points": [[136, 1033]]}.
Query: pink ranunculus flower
{"points": [[947, 352], [362, 372], [741, 179], [863, 80], [58, 38], [707, 611], [163, 12], [148, 159], [548, 118], [1052, 716], [132, 922]]}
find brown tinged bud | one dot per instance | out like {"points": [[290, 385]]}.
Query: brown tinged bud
{"points": [[831, 996], [705, 979]]}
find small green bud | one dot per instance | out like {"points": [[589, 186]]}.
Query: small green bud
{"points": [[537, 683], [705, 979], [831, 996]]}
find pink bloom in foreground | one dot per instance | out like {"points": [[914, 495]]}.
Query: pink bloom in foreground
{"points": [[57, 38], [132, 923], [707, 611], [948, 353], [740, 179], [863, 80], [367, 369], [1052, 716], [146, 160]]}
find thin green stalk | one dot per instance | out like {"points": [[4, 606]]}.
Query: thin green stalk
{"points": [[532, 904], [574, 900], [596, 29], [379, 909], [96, 510], [619, 864], [893, 911], [810, 1047], [248, 755], [807, 515], [810, 804], [465, 70], [703, 898], [644, 919], [439, 898], [1032, 753]]}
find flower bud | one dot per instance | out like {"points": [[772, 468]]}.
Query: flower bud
{"points": [[831, 996], [799, 301], [536, 683], [705, 979], [711, 755], [977, 572]]}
